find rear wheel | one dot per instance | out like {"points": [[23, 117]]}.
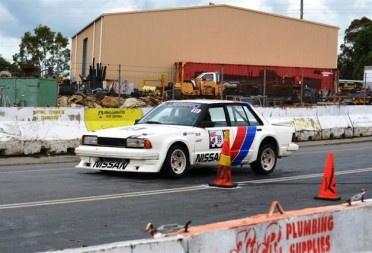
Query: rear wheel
{"points": [[176, 162], [266, 160]]}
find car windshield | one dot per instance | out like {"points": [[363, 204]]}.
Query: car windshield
{"points": [[174, 113]]}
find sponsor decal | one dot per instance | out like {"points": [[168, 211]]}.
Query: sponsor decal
{"points": [[110, 165], [135, 128], [190, 133], [133, 136], [215, 138], [182, 104], [209, 157], [195, 110]]}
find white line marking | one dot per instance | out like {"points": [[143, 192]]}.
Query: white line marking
{"points": [[281, 179], [29, 170], [101, 197], [327, 151], [164, 191]]}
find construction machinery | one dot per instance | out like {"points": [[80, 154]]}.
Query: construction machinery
{"points": [[148, 87], [277, 85], [206, 85]]}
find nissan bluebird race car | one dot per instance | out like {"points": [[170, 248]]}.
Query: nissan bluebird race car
{"points": [[176, 135]]}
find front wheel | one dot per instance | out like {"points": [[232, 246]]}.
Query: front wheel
{"points": [[176, 162], [266, 160]]}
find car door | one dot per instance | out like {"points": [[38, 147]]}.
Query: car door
{"points": [[208, 145], [244, 128]]}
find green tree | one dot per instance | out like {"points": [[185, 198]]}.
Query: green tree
{"points": [[356, 51], [45, 49], [6, 65]]}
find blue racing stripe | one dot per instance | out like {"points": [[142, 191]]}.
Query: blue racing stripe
{"points": [[244, 149]]}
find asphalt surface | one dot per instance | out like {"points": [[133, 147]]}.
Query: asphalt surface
{"points": [[56, 206], [42, 159]]}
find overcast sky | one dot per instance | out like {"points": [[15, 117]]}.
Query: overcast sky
{"points": [[70, 16]]}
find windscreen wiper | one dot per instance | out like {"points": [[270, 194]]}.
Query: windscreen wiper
{"points": [[152, 122]]}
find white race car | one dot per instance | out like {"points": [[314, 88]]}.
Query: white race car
{"points": [[176, 135]]}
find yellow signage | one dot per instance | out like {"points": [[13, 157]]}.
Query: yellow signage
{"points": [[48, 114], [100, 118]]}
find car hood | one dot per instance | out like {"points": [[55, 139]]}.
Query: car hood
{"points": [[141, 131]]}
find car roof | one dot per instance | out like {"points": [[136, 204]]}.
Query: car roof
{"points": [[205, 101]]}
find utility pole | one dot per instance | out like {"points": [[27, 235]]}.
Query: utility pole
{"points": [[302, 10], [302, 88], [119, 80], [264, 89]]}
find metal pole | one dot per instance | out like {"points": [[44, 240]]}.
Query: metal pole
{"points": [[221, 83], [302, 86], [302, 10], [174, 79], [365, 80], [119, 80], [365, 87], [264, 89]]}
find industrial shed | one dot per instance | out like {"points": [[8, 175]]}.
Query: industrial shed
{"points": [[146, 44]]}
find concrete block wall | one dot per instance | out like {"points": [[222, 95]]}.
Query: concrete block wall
{"points": [[324, 122], [27, 131], [338, 228]]}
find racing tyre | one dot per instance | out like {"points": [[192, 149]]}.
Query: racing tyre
{"points": [[266, 160], [176, 162]]}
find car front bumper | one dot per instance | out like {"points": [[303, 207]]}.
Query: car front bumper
{"points": [[118, 159]]}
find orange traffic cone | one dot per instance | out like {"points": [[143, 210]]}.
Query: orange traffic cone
{"points": [[224, 165], [328, 187]]}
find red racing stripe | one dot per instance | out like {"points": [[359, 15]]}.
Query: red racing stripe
{"points": [[238, 142]]}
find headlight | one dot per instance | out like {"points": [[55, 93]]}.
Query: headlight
{"points": [[138, 143], [89, 140]]}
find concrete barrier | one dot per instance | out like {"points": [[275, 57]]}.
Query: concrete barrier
{"points": [[25, 131], [334, 122], [338, 228], [361, 119], [304, 120]]}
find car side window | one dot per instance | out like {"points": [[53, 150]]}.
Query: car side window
{"points": [[237, 115], [252, 118], [218, 116], [240, 115]]}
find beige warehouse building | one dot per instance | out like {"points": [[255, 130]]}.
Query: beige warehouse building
{"points": [[146, 44]]}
